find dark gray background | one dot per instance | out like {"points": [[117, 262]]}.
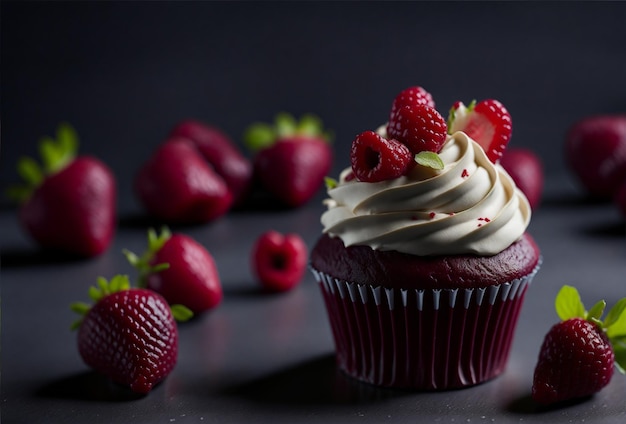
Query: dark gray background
{"points": [[124, 73]]}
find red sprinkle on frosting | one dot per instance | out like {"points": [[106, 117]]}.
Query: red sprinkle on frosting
{"points": [[465, 174]]}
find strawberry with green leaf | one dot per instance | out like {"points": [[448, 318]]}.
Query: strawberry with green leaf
{"points": [[579, 354], [180, 269], [128, 334], [291, 157], [69, 202]]}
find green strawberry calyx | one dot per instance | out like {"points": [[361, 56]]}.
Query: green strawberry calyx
{"points": [[143, 263], [459, 113], [56, 153], [261, 135], [568, 305], [116, 284]]}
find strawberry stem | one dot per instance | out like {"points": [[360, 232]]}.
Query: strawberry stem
{"points": [[143, 263], [261, 135], [56, 154], [569, 305]]}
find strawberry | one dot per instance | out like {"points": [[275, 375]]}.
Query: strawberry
{"points": [[129, 334], [487, 122], [221, 152], [595, 150], [180, 269], [291, 158], [525, 168], [420, 127], [279, 261], [411, 96], [178, 185], [70, 203], [375, 158], [578, 354]]}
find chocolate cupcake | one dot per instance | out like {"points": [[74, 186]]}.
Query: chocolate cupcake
{"points": [[424, 274]]}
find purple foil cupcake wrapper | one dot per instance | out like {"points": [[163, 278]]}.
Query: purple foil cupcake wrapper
{"points": [[422, 339]]}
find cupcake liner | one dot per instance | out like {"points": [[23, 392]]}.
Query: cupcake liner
{"points": [[422, 339]]}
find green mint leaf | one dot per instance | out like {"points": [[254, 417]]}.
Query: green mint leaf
{"points": [[616, 314], [615, 322], [568, 304], [430, 160], [330, 183], [596, 311], [160, 267], [286, 125], [181, 313], [259, 136]]}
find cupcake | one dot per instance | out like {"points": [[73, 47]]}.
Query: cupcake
{"points": [[424, 260]]}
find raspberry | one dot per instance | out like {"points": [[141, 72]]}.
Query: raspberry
{"points": [[420, 127], [375, 158], [411, 96]]}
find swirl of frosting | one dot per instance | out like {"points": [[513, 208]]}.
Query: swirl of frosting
{"points": [[471, 206]]}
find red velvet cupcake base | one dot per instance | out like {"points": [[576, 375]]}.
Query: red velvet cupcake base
{"points": [[422, 339]]}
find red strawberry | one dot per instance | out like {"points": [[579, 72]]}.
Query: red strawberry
{"points": [[292, 158], [279, 261], [411, 96], [129, 334], [420, 127], [180, 269], [578, 354], [487, 122], [178, 185], [221, 152], [70, 204], [595, 149], [526, 170], [374, 158]]}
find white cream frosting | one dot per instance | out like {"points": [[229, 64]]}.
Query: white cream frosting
{"points": [[471, 206]]}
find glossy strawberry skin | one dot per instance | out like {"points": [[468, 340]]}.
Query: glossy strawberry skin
{"points": [[575, 360], [74, 210], [419, 127], [375, 158], [191, 280], [131, 337], [177, 185], [220, 151], [279, 261], [525, 167], [293, 169], [595, 150], [490, 125]]}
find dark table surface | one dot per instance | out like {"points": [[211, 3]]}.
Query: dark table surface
{"points": [[124, 73], [263, 357]]}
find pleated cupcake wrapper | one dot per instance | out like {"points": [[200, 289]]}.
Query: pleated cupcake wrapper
{"points": [[422, 339]]}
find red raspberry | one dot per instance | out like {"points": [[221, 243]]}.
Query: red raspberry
{"points": [[576, 360], [420, 127], [279, 260], [375, 158], [411, 96]]}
